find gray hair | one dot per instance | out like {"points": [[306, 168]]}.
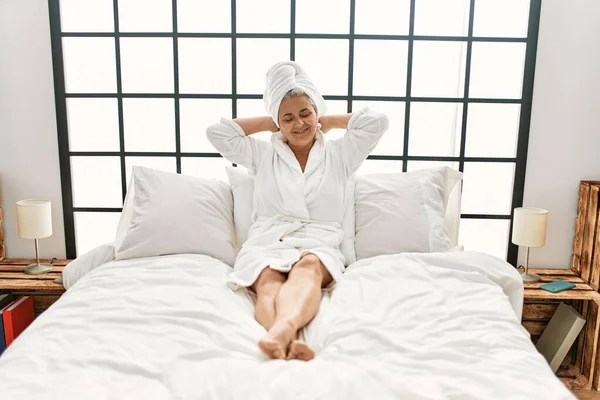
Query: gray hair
{"points": [[299, 92]]}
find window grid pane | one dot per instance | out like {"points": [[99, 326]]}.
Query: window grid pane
{"points": [[95, 228], [485, 235], [395, 75]]}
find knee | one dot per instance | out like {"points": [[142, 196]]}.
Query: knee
{"points": [[268, 283], [309, 265]]}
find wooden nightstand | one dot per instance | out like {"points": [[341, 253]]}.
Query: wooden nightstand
{"points": [[580, 368], [42, 287]]}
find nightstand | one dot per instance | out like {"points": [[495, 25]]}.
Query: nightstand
{"points": [[42, 288], [579, 370]]}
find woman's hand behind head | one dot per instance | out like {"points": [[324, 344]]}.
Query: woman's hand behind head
{"points": [[325, 122]]}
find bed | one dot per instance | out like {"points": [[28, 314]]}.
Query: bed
{"points": [[414, 326], [406, 325]]}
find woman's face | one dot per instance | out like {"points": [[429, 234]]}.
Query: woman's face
{"points": [[298, 121]]}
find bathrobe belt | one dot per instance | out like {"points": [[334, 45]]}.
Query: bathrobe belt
{"points": [[271, 229]]}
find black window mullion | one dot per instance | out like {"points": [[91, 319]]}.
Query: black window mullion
{"points": [[486, 216], [296, 36], [327, 97], [463, 132], [442, 158], [525, 118], [62, 124], [176, 89], [97, 209], [233, 61], [411, 32], [293, 30], [120, 100], [217, 155], [351, 55], [138, 154]]}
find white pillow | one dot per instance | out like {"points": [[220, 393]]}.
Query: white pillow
{"points": [[349, 224], [453, 191], [403, 212], [168, 213], [242, 186], [76, 269]]}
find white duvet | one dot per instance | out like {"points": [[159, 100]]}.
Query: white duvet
{"points": [[429, 326]]}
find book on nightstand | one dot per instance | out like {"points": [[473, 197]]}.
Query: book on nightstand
{"points": [[5, 300], [16, 317], [560, 334]]}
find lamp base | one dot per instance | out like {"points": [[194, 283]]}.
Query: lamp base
{"points": [[37, 269], [530, 277]]}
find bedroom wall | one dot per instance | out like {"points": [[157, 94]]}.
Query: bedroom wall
{"points": [[28, 145], [564, 140]]}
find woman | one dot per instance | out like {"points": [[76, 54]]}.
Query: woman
{"points": [[293, 246]]}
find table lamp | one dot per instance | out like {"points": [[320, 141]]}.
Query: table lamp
{"points": [[34, 221], [529, 230]]}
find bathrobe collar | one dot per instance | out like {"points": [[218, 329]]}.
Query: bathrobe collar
{"points": [[315, 156]]}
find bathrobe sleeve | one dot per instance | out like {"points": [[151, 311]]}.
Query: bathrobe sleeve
{"points": [[365, 129], [230, 140]]}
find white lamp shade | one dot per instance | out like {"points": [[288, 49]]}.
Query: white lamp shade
{"points": [[529, 227], [34, 218]]}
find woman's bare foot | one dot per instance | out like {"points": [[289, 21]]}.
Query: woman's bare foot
{"points": [[299, 350], [276, 341], [272, 348]]}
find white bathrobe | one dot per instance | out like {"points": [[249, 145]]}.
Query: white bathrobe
{"points": [[296, 213]]}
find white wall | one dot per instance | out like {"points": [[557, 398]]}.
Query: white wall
{"points": [[564, 142], [28, 142]]}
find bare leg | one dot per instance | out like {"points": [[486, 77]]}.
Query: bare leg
{"points": [[296, 305], [266, 287]]}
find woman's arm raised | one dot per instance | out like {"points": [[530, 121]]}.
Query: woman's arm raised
{"points": [[338, 121], [230, 138], [364, 130], [256, 124]]}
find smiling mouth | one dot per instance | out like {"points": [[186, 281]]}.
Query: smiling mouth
{"points": [[301, 131]]}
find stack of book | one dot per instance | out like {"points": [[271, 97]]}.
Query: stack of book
{"points": [[15, 316]]}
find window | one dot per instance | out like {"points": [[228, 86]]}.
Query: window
{"points": [[138, 81]]}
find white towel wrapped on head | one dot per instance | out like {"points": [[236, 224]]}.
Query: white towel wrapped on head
{"points": [[283, 77]]}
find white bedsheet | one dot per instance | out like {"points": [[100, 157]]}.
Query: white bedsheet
{"points": [[430, 326]]}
